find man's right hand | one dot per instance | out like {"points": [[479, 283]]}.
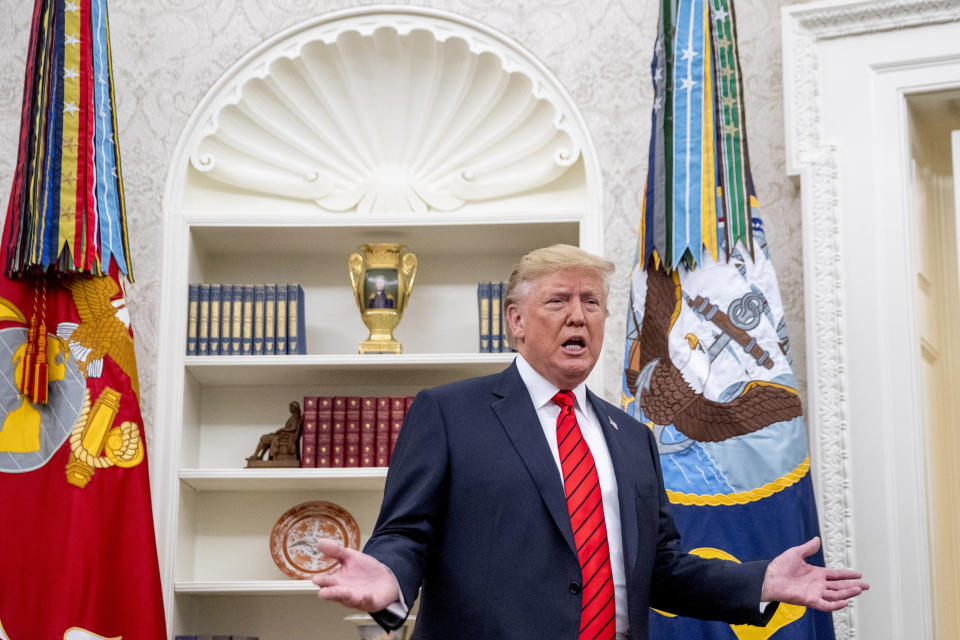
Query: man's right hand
{"points": [[361, 582]]}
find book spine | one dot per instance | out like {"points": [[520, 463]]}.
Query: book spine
{"points": [[203, 328], [504, 342], [301, 322], [281, 318], [258, 318], [383, 432], [269, 319], [213, 344], [339, 431], [293, 310], [193, 318], [308, 445], [236, 321], [351, 452], [246, 342], [396, 421], [495, 317], [324, 431], [226, 297], [483, 306], [368, 432]]}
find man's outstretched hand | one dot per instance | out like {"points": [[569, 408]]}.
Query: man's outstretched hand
{"points": [[789, 578], [361, 582]]}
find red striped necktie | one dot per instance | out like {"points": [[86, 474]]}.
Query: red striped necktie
{"points": [[584, 502]]}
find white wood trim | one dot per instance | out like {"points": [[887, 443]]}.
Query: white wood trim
{"points": [[362, 479], [246, 588], [866, 444]]}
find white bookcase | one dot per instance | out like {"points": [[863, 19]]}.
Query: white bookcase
{"points": [[512, 169]]}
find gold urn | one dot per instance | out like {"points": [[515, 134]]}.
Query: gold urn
{"points": [[382, 278]]}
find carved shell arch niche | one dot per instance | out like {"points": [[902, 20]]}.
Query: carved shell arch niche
{"points": [[385, 113]]}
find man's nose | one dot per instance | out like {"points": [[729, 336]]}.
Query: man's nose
{"points": [[575, 315]]}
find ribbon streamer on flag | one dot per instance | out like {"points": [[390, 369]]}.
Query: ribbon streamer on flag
{"points": [[698, 181], [707, 359], [66, 211], [66, 208]]}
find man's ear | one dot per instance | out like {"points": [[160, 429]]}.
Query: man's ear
{"points": [[515, 318]]}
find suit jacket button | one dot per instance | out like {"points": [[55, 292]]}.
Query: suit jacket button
{"points": [[575, 588]]}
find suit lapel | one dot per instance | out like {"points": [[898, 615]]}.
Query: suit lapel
{"points": [[519, 419], [623, 465]]}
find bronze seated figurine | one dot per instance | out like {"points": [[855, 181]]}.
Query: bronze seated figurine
{"points": [[281, 447]]}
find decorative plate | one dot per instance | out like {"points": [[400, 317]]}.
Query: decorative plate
{"points": [[293, 541]]}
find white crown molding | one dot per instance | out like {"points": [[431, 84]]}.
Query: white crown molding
{"points": [[815, 160], [839, 19]]}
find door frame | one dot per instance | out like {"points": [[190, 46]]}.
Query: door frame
{"points": [[847, 68]]}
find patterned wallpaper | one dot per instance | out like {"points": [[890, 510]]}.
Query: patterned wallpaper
{"points": [[167, 53]]}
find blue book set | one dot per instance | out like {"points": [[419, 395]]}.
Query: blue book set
{"points": [[248, 319]]}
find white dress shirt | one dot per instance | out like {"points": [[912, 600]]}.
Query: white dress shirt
{"points": [[541, 393]]}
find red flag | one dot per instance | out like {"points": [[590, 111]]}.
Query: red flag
{"points": [[77, 547], [78, 556]]}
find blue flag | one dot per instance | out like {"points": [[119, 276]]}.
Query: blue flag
{"points": [[708, 370], [707, 359]]}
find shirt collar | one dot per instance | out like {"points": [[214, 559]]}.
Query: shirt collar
{"points": [[542, 390]]}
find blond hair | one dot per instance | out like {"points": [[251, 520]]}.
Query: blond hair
{"points": [[543, 262]]}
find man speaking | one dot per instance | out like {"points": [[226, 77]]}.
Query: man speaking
{"points": [[523, 506]]}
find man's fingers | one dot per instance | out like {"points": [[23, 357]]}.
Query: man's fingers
{"points": [[326, 580], [339, 593], [831, 606], [809, 547], [841, 594], [842, 574], [332, 548]]}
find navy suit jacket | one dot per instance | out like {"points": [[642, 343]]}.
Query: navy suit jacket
{"points": [[474, 513]]}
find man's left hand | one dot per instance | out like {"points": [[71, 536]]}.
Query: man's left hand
{"points": [[790, 579]]}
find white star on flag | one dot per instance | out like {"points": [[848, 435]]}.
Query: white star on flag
{"points": [[720, 14], [71, 6], [69, 73], [688, 53], [69, 107], [71, 40], [687, 84]]}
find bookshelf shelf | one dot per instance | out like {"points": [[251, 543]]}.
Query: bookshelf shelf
{"points": [[345, 368], [246, 587], [364, 479]]}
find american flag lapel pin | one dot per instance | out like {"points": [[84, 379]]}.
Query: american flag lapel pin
{"points": [[613, 424]]}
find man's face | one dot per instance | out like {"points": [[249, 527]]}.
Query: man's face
{"points": [[381, 283], [559, 323]]}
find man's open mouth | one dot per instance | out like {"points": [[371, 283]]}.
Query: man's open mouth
{"points": [[574, 345]]}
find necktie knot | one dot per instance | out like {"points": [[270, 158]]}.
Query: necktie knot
{"points": [[565, 399]]}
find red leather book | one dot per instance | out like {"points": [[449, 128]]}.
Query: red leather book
{"points": [[338, 429], [308, 438], [351, 456], [382, 439], [406, 404], [368, 431], [324, 431], [397, 411]]}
